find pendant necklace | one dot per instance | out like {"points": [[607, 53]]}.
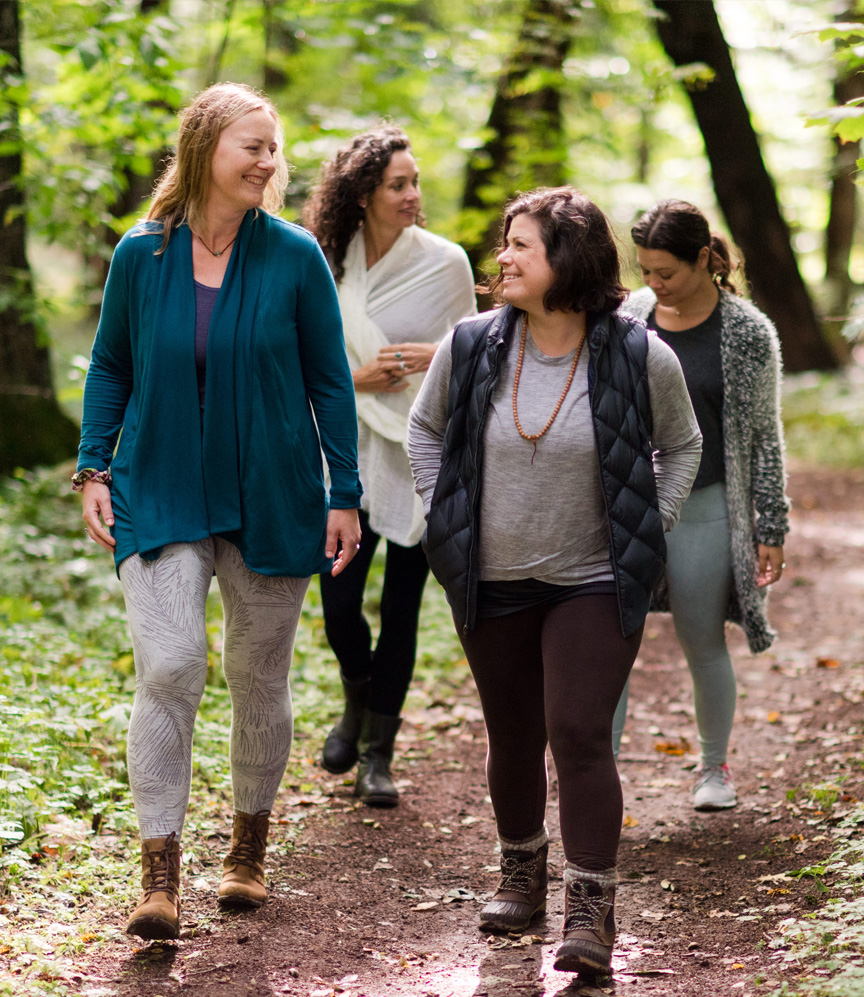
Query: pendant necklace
{"points": [[212, 252], [534, 437]]}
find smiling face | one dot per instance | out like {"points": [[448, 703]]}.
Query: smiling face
{"points": [[395, 202], [243, 162], [671, 279], [525, 266]]}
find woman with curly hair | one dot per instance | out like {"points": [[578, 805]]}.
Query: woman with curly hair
{"points": [[401, 290]]}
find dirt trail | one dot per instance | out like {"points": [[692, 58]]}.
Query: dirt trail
{"points": [[385, 903]]}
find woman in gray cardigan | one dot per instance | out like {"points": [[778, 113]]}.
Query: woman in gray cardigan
{"points": [[728, 544]]}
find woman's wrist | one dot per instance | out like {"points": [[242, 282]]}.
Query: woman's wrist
{"points": [[80, 478]]}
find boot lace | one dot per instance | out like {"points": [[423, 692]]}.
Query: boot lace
{"points": [[158, 872], [585, 910], [250, 848], [518, 872]]}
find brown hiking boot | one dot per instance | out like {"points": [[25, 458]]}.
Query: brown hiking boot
{"points": [[521, 892], [157, 915], [589, 923], [243, 867]]}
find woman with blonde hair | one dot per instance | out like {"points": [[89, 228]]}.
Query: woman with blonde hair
{"points": [[219, 355]]}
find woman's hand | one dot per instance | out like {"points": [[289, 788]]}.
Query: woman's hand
{"points": [[97, 509], [378, 376], [771, 565], [407, 358], [343, 526]]}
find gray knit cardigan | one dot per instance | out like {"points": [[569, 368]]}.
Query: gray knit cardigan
{"points": [[753, 453]]}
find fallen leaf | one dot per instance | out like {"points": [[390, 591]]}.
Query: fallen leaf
{"points": [[679, 747], [426, 905], [773, 717], [630, 821], [737, 965], [827, 663]]}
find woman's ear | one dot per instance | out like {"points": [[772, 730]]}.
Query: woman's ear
{"points": [[703, 257]]}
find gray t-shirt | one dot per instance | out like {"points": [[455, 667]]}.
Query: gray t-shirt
{"points": [[547, 520]]}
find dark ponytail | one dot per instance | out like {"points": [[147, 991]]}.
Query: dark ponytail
{"points": [[681, 229]]}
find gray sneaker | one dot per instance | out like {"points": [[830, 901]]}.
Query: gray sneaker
{"points": [[714, 788]]}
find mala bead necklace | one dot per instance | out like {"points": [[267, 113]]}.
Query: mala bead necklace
{"points": [[534, 437]]}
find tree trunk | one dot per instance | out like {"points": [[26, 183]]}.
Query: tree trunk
{"points": [[690, 32], [33, 430], [840, 230], [527, 147]]}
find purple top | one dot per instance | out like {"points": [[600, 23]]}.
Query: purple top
{"points": [[205, 299]]}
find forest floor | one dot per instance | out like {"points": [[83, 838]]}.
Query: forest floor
{"points": [[371, 902]]}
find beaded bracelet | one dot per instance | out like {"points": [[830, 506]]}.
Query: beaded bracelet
{"points": [[89, 474]]}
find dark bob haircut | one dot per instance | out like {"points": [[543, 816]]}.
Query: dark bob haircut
{"points": [[680, 228], [580, 249]]}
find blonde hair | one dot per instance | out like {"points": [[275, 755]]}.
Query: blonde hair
{"points": [[180, 194]]}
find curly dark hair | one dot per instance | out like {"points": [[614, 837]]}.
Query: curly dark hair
{"points": [[680, 228], [580, 248], [333, 213]]}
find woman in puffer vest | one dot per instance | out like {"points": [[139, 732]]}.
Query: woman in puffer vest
{"points": [[553, 443]]}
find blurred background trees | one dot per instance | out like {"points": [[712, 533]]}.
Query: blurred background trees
{"points": [[630, 100]]}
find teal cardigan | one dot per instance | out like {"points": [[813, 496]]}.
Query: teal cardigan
{"points": [[278, 392]]}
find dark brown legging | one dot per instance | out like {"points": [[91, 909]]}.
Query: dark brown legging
{"points": [[554, 673]]}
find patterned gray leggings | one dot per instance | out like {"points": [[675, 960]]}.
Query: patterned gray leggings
{"points": [[165, 602]]}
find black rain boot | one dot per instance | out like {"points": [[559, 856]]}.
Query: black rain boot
{"points": [[589, 921], [340, 748], [374, 785]]}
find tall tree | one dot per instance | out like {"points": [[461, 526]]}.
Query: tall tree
{"points": [[842, 213], [526, 147], [33, 429], [690, 33]]}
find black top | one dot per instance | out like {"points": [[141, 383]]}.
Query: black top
{"points": [[698, 352], [205, 299]]}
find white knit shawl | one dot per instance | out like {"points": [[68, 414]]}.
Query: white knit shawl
{"points": [[416, 292]]}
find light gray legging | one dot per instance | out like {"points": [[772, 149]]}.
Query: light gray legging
{"points": [[699, 576], [165, 601]]}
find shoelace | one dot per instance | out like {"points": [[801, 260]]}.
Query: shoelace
{"points": [[159, 880], [707, 774], [517, 874], [585, 911], [249, 848]]}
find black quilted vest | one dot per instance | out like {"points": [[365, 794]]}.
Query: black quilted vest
{"points": [[618, 389]]}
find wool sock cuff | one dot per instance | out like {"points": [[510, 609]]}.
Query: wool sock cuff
{"points": [[532, 844], [604, 878]]}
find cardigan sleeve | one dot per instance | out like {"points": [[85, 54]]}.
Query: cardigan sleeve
{"points": [[327, 378], [768, 472], [108, 386]]}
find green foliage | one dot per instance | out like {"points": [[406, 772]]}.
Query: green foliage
{"points": [[99, 105], [67, 825], [823, 416]]}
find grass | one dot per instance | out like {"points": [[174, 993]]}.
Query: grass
{"points": [[67, 826]]}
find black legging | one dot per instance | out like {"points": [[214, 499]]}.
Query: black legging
{"points": [[391, 664], [555, 673]]}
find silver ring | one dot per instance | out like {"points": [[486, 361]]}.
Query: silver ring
{"points": [[403, 365], [398, 354]]}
